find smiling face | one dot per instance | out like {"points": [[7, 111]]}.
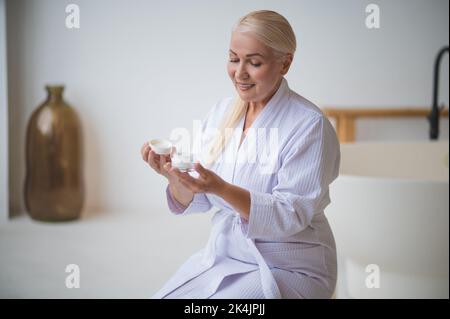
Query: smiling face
{"points": [[254, 69]]}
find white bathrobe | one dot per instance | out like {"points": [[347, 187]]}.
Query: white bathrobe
{"points": [[286, 249]]}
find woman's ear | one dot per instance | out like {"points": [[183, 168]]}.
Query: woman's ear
{"points": [[287, 63]]}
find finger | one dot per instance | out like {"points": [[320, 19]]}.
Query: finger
{"points": [[166, 167], [155, 157], [201, 170], [165, 171], [152, 164], [171, 175], [145, 152], [153, 160], [190, 180], [162, 160], [168, 158], [175, 172], [143, 148]]}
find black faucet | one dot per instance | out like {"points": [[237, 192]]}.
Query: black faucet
{"points": [[433, 117]]}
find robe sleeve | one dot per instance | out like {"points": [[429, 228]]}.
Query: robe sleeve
{"points": [[310, 163], [199, 204]]}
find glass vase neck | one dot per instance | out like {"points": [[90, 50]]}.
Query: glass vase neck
{"points": [[54, 92]]}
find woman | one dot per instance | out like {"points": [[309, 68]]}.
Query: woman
{"points": [[270, 237]]}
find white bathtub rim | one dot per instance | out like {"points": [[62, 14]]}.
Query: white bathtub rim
{"points": [[383, 179]]}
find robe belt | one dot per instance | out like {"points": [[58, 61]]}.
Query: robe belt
{"points": [[227, 218]]}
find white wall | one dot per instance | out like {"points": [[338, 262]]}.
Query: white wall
{"points": [[137, 69]]}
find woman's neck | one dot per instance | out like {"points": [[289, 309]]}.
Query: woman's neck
{"points": [[256, 107]]}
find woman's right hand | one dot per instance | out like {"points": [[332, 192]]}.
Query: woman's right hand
{"points": [[155, 161], [158, 162]]}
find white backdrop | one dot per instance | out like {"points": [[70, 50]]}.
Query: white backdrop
{"points": [[136, 69]]}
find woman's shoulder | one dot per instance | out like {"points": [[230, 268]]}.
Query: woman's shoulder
{"points": [[306, 117], [303, 109]]}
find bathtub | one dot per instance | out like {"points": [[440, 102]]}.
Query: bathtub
{"points": [[389, 214]]}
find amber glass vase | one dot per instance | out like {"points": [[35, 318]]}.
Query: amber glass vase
{"points": [[54, 189]]}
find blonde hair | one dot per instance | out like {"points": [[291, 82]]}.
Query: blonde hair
{"points": [[273, 30]]}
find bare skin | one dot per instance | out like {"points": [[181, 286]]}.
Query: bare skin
{"points": [[250, 62]]}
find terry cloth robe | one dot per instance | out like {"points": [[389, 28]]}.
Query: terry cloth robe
{"points": [[286, 249]]}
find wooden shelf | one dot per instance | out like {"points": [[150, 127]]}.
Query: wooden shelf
{"points": [[345, 118]]}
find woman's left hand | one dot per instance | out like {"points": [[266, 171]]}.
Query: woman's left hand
{"points": [[207, 182]]}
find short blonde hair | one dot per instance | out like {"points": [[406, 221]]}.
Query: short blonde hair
{"points": [[274, 31]]}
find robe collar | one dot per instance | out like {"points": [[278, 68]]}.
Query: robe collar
{"points": [[233, 150], [278, 100]]}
